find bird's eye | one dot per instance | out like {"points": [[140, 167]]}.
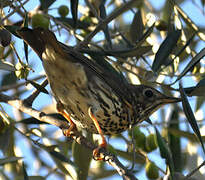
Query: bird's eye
{"points": [[148, 93]]}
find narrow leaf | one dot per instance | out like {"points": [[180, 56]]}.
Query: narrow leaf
{"points": [[190, 115], [165, 49], [6, 66], [69, 22], [9, 160], [197, 90], [25, 173], [165, 151], [61, 157], [74, 10], [38, 87], [25, 24], [13, 29], [192, 63], [103, 15], [136, 28], [46, 4]]}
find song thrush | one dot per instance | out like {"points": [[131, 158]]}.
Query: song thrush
{"points": [[89, 95]]}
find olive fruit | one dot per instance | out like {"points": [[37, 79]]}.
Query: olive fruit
{"points": [[63, 11], [151, 170], [39, 20]]}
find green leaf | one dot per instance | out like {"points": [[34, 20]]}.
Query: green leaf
{"points": [[136, 28], [175, 141], [25, 24], [192, 63], [197, 90], [6, 66], [13, 30], [200, 101], [123, 53], [9, 160], [82, 158], [74, 10], [165, 49], [165, 151], [69, 21], [25, 173], [8, 79], [38, 87], [45, 4], [61, 157], [106, 29], [190, 115]]}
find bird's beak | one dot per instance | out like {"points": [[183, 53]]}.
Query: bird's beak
{"points": [[167, 100]]}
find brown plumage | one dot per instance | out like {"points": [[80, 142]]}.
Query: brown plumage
{"points": [[87, 92]]}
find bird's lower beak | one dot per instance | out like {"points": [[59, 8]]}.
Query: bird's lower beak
{"points": [[168, 100]]}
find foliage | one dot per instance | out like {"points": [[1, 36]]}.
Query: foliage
{"points": [[147, 45]]}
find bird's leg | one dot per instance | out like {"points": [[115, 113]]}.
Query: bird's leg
{"points": [[103, 144], [65, 114]]}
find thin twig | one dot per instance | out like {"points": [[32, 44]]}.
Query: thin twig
{"points": [[106, 21], [29, 100], [14, 86], [195, 170]]}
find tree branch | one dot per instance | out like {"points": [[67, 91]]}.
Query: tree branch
{"points": [[41, 116]]}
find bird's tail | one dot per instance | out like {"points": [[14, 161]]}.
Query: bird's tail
{"points": [[38, 38]]}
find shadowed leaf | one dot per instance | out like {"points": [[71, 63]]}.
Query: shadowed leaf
{"points": [[74, 10], [192, 63], [38, 87], [82, 158], [9, 160], [190, 115], [136, 28], [25, 24], [46, 4], [105, 30], [13, 29], [165, 151], [6, 66], [70, 22], [165, 49], [25, 173]]}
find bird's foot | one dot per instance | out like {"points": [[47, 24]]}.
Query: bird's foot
{"points": [[64, 113], [97, 155], [68, 132]]}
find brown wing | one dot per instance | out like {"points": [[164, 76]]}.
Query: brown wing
{"points": [[38, 38]]}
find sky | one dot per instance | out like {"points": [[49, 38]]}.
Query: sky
{"points": [[43, 100]]}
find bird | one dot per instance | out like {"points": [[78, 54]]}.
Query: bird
{"points": [[89, 95]]}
